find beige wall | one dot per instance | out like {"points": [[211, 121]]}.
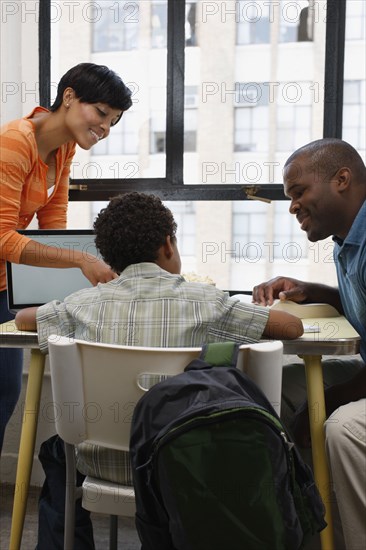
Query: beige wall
{"points": [[19, 95], [18, 59]]}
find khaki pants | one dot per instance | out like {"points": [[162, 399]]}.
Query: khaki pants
{"points": [[345, 432]]}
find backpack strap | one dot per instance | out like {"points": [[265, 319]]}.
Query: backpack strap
{"points": [[219, 354]]}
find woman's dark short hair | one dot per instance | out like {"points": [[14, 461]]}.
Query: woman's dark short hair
{"points": [[94, 84], [132, 228]]}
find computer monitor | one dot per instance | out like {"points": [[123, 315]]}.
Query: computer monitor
{"points": [[34, 286]]}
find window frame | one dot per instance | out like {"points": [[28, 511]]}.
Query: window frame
{"points": [[172, 186]]}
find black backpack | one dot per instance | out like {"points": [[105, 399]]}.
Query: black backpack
{"points": [[214, 468]]}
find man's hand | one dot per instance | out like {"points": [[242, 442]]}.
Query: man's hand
{"points": [[283, 288]]}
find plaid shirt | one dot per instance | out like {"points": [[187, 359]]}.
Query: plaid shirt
{"points": [[146, 306]]}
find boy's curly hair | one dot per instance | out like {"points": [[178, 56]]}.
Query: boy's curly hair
{"points": [[132, 228]]}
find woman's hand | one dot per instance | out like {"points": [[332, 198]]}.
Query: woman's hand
{"points": [[96, 271]]}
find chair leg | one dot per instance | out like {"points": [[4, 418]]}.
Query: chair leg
{"points": [[113, 532], [71, 495]]}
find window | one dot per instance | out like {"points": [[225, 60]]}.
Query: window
{"points": [[198, 124], [185, 216], [294, 115], [159, 19], [158, 120], [354, 113], [190, 118], [117, 34], [215, 101], [130, 36], [354, 87], [249, 229], [254, 239], [253, 20], [297, 20], [122, 141], [190, 27], [159, 24], [115, 26], [251, 116], [290, 243], [356, 20], [294, 127]]}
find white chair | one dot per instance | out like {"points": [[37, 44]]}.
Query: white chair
{"points": [[95, 388]]}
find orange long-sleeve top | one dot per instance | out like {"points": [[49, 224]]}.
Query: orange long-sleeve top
{"points": [[23, 188]]}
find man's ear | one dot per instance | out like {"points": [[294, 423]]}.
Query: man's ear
{"points": [[165, 254], [168, 248], [343, 179]]}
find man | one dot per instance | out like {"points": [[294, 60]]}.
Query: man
{"points": [[326, 183], [149, 304]]}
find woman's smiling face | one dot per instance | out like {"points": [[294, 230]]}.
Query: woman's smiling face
{"points": [[90, 122]]}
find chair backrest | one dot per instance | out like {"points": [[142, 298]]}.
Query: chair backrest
{"points": [[96, 386]]}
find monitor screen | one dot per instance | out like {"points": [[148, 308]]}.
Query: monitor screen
{"points": [[34, 286]]}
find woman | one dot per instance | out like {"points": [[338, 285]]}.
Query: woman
{"points": [[35, 157]]}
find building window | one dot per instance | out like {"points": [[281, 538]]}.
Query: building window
{"points": [[293, 127], [123, 138], [251, 116], [253, 23], [157, 132], [296, 21], [185, 215], [190, 118], [190, 27], [159, 23], [294, 115], [355, 20], [250, 225], [289, 242], [248, 124], [249, 228], [158, 120], [354, 113], [116, 26]]}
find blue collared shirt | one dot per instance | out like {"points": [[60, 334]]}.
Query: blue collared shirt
{"points": [[350, 260]]}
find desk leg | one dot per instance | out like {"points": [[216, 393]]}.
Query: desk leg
{"points": [[26, 447], [315, 392]]}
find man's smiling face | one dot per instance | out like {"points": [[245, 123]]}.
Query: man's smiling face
{"points": [[314, 200]]}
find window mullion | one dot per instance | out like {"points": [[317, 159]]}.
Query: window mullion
{"points": [[334, 68], [44, 45], [175, 92]]}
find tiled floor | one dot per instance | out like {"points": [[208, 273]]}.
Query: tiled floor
{"points": [[127, 536]]}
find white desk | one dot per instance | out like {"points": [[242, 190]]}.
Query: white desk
{"points": [[336, 337]]}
